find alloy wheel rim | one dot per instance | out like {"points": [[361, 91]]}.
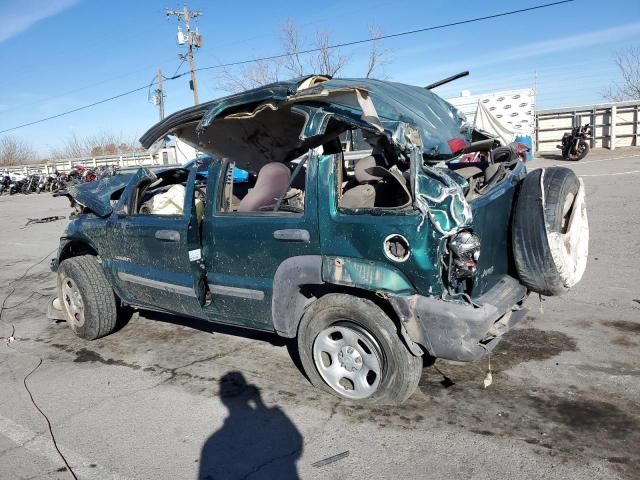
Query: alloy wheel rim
{"points": [[349, 360], [73, 302]]}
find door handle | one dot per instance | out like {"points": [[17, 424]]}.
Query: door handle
{"points": [[168, 235], [292, 235]]}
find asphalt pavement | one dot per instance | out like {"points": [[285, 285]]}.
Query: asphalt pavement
{"points": [[168, 397]]}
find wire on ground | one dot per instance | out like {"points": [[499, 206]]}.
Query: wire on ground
{"points": [[40, 361]]}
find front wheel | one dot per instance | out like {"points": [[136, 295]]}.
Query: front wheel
{"points": [[350, 348], [581, 151], [86, 297]]}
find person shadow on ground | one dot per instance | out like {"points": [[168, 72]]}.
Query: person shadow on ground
{"points": [[255, 441]]}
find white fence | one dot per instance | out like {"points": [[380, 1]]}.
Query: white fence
{"points": [[164, 156], [612, 124]]}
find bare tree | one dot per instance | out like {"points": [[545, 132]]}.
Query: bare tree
{"points": [[377, 58], [628, 62], [327, 61], [298, 61], [14, 151], [109, 143], [103, 143], [73, 147], [245, 78], [293, 62]]}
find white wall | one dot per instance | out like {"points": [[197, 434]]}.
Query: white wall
{"points": [[513, 108], [183, 151]]}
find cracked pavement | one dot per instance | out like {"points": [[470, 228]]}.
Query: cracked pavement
{"points": [[170, 397]]}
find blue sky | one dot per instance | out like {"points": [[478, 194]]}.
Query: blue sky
{"points": [[60, 54]]}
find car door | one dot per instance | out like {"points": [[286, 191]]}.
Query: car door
{"points": [[242, 251], [155, 260]]}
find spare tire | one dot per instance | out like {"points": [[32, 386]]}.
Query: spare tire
{"points": [[550, 231]]}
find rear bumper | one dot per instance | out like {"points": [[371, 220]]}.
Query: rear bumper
{"points": [[458, 330]]}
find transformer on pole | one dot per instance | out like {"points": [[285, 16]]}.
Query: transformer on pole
{"points": [[192, 39]]}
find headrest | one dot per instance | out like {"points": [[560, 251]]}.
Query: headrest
{"points": [[361, 170]]}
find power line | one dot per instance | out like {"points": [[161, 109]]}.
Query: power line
{"points": [[386, 37], [303, 52], [383, 37], [78, 109], [167, 61], [179, 67]]}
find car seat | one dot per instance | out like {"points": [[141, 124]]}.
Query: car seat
{"points": [[376, 186], [272, 182]]}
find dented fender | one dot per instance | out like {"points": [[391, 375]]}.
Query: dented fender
{"points": [[368, 275]]}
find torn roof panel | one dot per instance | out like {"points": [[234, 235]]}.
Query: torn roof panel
{"points": [[270, 122]]}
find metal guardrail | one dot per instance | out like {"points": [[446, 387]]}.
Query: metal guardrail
{"points": [[612, 124], [165, 156], [162, 157]]}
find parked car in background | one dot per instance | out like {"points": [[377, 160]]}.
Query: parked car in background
{"points": [[202, 167]]}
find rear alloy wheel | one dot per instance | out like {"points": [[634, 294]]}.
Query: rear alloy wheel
{"points": [[350, 348], [348, 359]]}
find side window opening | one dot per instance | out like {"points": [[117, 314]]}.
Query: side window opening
{"points": [[165, 195], [376, 179], [115, 196], [277, 188]]}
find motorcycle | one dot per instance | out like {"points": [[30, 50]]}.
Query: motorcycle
{"points": [[5, 182], [16, 186], [76, 174], [31, 184], [42, 184], [105, 171], [60, 180], [89, 175], [575, 145]]}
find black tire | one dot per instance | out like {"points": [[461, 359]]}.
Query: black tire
{"points": [[400, 372], [535, 263], [83, 274], [582, 149]]}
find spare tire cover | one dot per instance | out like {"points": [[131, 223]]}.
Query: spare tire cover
{"points": [[550, 234]]}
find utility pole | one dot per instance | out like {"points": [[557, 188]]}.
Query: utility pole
{"points": [[157, 96], [191, 39], [160, 95]]}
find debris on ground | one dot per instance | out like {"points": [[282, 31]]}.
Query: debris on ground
{"points": [[328, 460], [488, 380], [55, 218]]}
